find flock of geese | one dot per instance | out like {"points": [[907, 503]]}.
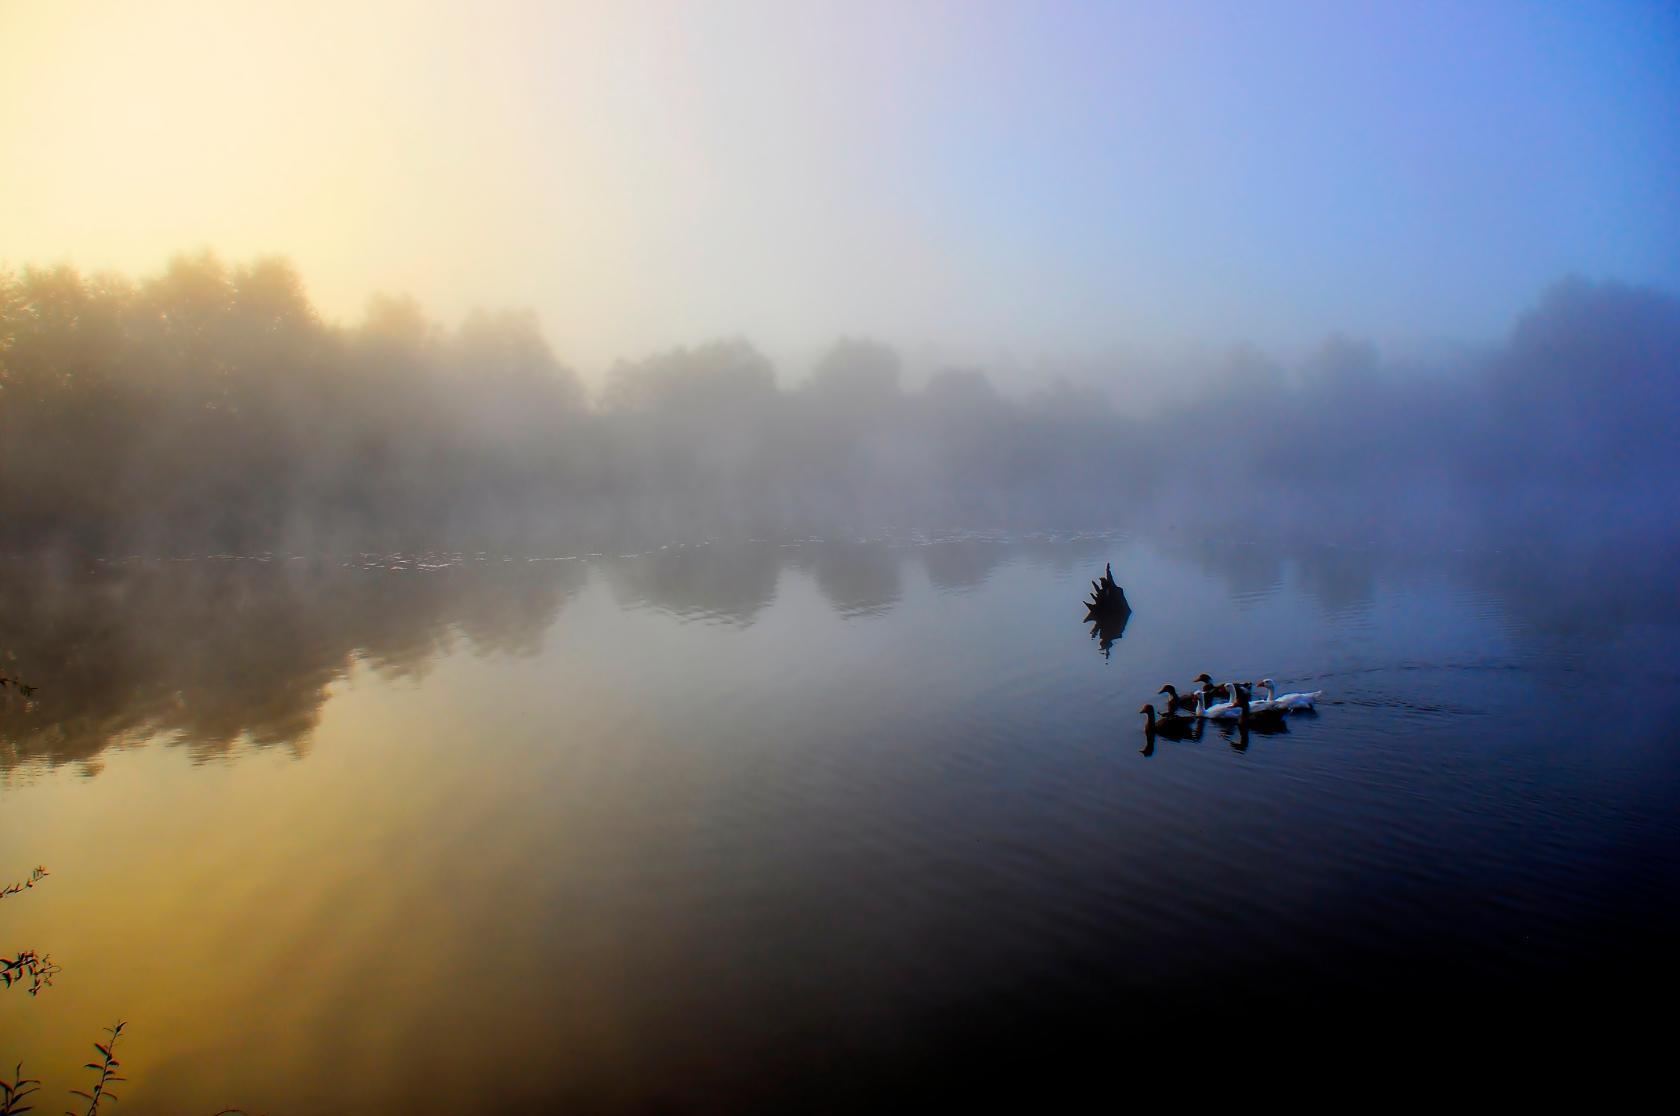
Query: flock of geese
{"points": [[1205, 701], [1226, 701]]}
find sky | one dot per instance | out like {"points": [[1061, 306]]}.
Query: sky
{"points": [[991, 182]]}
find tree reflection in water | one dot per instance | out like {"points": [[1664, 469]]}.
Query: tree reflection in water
{"points": [[211, 653], [215, 652]]}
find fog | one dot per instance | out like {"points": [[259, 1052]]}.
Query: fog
{"points": [[210, 409], [219, 655]]}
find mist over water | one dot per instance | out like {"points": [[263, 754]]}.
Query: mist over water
{"points": [[667, 746], [210, 410]]}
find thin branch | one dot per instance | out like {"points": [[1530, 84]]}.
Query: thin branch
{"points": [[39, 968], [36, 876], [14, 1092], [107, 1069]]}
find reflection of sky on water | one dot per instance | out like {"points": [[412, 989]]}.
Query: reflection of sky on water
{"points": [[217, 651], [603, 830]]}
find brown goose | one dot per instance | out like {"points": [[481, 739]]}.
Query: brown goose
{"points": [[1220, 691], [1177, 705]]}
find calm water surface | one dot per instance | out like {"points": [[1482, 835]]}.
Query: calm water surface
{"points": [[734, 826]]}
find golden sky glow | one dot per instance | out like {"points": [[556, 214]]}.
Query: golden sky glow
{"points": [[978, 179], [539, 155]]}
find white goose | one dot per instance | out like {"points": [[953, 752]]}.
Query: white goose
{"points": [[1224, 711], [1291, 703], [1258, 705]]}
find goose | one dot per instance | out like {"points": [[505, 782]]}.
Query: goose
{"points": [[1177, 704], [1292, 703], [1221, 690], [1203, 698], [1246, 692], [1173, 728], [1204, 681], [1224, 711]]}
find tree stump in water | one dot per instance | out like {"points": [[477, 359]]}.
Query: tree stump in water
{"points": [[1108, 600]]}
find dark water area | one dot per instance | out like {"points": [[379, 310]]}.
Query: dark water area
{"points": [[823, 824]]}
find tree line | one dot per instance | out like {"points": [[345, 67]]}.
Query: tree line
{"points": [[211, 408]]}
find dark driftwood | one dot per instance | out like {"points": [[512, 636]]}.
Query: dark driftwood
{"points": [[1108, 600], [1107, 610]]}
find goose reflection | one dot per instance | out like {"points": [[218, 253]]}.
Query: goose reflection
{"points": [[1171, 728], [1238, 732]]}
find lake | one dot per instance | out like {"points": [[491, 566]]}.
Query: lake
{"points": [[804, 824]]}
